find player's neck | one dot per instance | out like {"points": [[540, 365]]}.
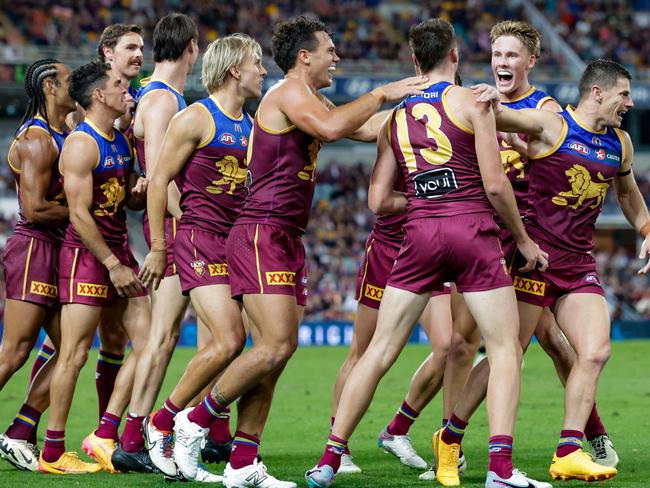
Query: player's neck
{"points": [[587, 113], [516, 93], [230, 100], [301, 73], [102, 118], [174, 73], [56, 116], [444, 73]]}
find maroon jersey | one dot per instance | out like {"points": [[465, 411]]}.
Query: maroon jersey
{"points": [[389, 229], [54, 191], [282, 168], [437, 156], [569, 183], [110, 177], [213, 181]]}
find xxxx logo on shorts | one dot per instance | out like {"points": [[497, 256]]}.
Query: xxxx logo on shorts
{"points": [[530, 286], [92, 290], [280, 278], [218, 269], [373, 292], [198, 266], [43, 289]]}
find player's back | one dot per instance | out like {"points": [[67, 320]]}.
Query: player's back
{"points": [[568, 184], [213, 181], [54, 191], [437, 156], [110, 177]]}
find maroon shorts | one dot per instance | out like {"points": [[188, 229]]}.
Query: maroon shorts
{"points": [[31, 268], [84, 279], [508, 246], [170, 236], [463, 249], [265, 259], [568, 272], [375, 270], [200, 258]]}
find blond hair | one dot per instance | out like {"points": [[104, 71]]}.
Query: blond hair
{"points": [[223, 54], [523, 31]]}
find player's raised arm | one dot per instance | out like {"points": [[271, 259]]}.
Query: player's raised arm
{"points": [[496, 184], [37, 154], [382, 198], [184, 133]]}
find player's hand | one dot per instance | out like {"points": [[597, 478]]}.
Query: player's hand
{"points": [[139, 190], [485, 93], [644, 254], [533, 255], [153, 269], [415, 85], [125, 281]]}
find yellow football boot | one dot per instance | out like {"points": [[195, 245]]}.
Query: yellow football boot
{"points": [[579, 466], [68, 463], [100, 450], [446, 460]]}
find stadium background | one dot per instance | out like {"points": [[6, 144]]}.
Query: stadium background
{"points": [[370, 36]]}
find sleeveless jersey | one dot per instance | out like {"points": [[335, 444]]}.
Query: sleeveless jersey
{"points": [[389, 229], [282, 168], [515, 164], [213, 181], [54, 191], [437, 156], [110, 177], [148, 86], [568, 184]]}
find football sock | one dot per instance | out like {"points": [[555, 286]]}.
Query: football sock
{"points": [[164, 418], [220, 428], [54, 445], [347, 447], [333, 451], [132, 439], [44, 354], [108, 365], [454, 430], [594, 427], [403, 420], [244, 449], [25, 424], [108, 426], [206, 412], [570, 441], [501, 455]]}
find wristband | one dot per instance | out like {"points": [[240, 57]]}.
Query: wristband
{"points": [[161, 244], [624, 173], [111, 262], [379, 93], [645, 230]]}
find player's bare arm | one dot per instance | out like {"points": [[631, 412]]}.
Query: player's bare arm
{"points": [[186, 130], [37, 153], [382, 198], [78, 158], [496, 183], [136, 192], [299, 106], [156, 110], [369, 132], [631, 201]]}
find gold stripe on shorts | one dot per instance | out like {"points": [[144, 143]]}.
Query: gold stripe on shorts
{"points": [[26, 273], [257, 258], [365, 270], [72, 273]]}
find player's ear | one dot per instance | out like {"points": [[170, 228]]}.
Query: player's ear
{"points": [[532, 60], [234, 72], [304, 56], [597, 93], [453, 54]]}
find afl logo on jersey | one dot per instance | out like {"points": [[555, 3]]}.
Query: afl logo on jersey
{"points": [[578, 147], [227, 138], [109, 162]]}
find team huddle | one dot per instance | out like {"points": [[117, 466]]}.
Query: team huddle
{"points": [[468, 249]]}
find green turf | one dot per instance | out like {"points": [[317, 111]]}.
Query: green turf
{"points": [[299, 420]]}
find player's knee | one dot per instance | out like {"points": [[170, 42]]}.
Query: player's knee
{"points": [[598, 357], [73, 358], [13, 357], [460, 349]]}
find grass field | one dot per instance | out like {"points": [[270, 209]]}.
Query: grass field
{"points": [[299, 420]]}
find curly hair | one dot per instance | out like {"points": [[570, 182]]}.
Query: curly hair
{"points": [[293, 35], [85, 79], [112, 35]]}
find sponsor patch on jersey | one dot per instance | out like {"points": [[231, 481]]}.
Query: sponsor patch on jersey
{"points": [[613, 157], [227, 138], [198, 266], [596, 141], [527, 285], [281, 278], [92, 290], [218, 269], [593, 279], [373, 292], [243, 140], [109, 162], [43, 289], [434, 183], [600, 154], [580, 148]]}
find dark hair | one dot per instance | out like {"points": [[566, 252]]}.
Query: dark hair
{"points": [[293, 35], [35, 76], [602, 72], [171, 35], [111, 36], [85, 79], [431, 41]]}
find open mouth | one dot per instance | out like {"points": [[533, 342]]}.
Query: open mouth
{"points": [[504, 76]]}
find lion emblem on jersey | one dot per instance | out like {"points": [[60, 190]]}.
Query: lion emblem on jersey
{"points": [[309, 171], [231, 176], [511, 159], [114, 193], [582, 188]]}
